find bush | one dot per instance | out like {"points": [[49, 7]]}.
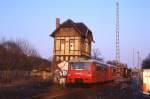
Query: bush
{"points": [[146, 63]]}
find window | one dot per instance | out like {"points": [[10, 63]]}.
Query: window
{"points": [[87, 66], [99, 67], [77, 66], [86, 44], [57, 45], [71, 44], [80, 66], [62, 44]]}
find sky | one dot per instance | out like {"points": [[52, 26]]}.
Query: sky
{"points": [[34, 20]]}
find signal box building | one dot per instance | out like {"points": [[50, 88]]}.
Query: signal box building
{"points": [[71, 40]]}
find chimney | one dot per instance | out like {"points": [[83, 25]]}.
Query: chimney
{"points": [[57, 23]]}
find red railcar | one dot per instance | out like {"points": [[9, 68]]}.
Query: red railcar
{"points": [[89, 71]]}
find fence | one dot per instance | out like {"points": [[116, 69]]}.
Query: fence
{"points": [[17, 76]]}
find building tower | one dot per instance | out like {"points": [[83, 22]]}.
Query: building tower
{"points": [[117, 39], [71, 40]]}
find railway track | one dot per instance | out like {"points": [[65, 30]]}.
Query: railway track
{"points": [[50, 91], [52, 94]]}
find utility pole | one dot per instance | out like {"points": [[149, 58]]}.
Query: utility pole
{"points": [[133, 57], [138, 59], [139, 70]]}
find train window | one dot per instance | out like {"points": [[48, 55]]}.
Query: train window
{"points": [[87, 66], [80, 66], [98, 68], [77, 66]]}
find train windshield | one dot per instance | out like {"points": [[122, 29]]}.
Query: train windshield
{"points": [[80, 66]]}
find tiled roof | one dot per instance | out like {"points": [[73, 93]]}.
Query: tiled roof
{"points": [[81, 27]]}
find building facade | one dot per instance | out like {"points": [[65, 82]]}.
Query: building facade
{"points": [[71, 40]]}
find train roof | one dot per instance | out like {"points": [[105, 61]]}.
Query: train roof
{"points": [[86, 60], [89, 60]]}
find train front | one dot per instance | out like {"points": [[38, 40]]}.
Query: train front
{"points": [[79, 72]]}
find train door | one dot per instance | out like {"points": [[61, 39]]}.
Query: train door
{"points": [[94, 72], [99, 72]]}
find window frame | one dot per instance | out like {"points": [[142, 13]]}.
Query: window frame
{"points": [[62, 42], [73, 46]]}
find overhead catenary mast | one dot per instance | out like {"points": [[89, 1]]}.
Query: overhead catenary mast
{"points": [[118, 70], [117, 33]]}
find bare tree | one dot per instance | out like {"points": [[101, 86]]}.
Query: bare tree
{"points": [[11, 55], [3, 53], [27, 48], [146, 62], [96, 54], [16, 55]]}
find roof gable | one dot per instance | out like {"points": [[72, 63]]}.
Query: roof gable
{"points": [[80, 27], [85, 31]]}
